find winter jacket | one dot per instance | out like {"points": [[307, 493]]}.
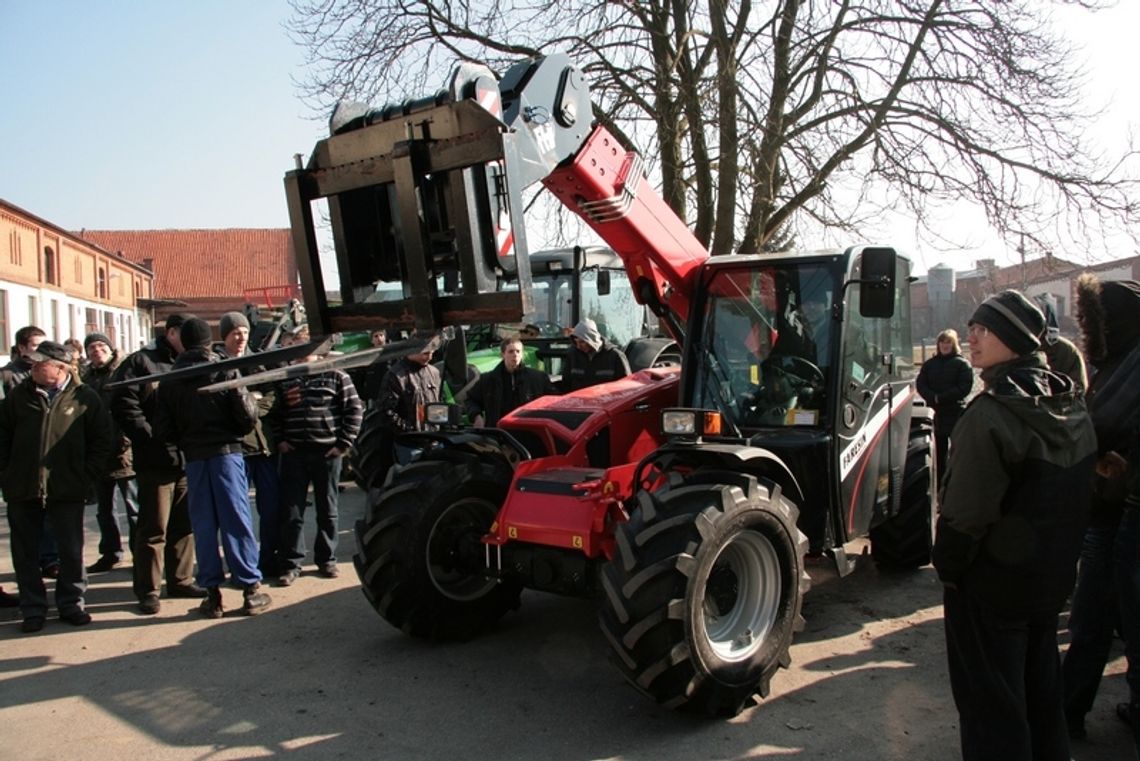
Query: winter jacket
{"points": [[406, 388], [133, 407], [498, 392], [1015, 499], [259, 441], [606, 364], [318, 412], [203, 425], [945, 381], [119, 465], [54, 449]]}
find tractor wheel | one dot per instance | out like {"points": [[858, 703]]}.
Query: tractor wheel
{"points": [[418, 550], [372, 454], [705, 591], [905, 541]]}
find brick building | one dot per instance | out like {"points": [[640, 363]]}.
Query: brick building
{"points": [[211, 271], [942, 299], [68, 286]]}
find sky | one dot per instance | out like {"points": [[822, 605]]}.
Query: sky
{"points": [[179, 114]]}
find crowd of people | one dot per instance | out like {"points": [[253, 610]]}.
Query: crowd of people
{"points": [[181, 464], [1037, 471], [1039, 504]]}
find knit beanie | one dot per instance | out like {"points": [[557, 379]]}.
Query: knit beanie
{"points": [[587, 330], [1014, 319], [231, 320], [195, 333], [96, 337], [175, 320]]}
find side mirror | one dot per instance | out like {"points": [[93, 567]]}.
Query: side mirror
{"points": [[603, 282], [877, 282]]}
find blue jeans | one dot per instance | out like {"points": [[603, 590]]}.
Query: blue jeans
{"points": [[110, 537], [299, 468], [262, 471], [218, 494], [1126, 553], [1092, 620]]}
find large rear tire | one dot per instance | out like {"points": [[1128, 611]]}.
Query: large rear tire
{"points": [[372, 454], [705, 592], [419, 557], [905, 541]]}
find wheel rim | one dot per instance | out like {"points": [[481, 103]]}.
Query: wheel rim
{"points": [[742, 596], [453, 547]]}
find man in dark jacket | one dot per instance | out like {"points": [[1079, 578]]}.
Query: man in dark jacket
{"points": [[209, 429], [164, 542], [1014, 506], [119, 479], [510, 385], [592, 359], [944, 382], [409, 384], [55, 437]]}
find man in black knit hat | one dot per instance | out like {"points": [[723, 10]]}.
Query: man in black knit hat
{"points": [[164, 544], [1014, 504], [209, 429]]}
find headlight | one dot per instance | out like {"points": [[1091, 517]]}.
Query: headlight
{"points": [[685, 422], [679, 422], [439, 413]]}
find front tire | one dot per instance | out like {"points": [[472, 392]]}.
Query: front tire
{"points": [[705, 592], [419, 555]]}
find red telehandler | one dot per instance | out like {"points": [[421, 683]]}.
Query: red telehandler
{"points": [[684, 498]]}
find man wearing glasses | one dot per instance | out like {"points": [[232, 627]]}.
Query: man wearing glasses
{"points": [[55, 438], [1014, 505]]}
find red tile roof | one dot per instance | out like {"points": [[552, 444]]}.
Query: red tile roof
{"points": [[196, 263]]}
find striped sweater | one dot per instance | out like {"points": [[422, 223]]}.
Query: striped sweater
{"points": [[318, 411]]}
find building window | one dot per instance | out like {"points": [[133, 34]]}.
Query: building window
{"points": [[50, 276], [92, 324], [78, 271], [4, 315], [33, 311], [101, 287]]}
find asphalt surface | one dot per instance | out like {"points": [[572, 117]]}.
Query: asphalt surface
{"points": [[322, 676]]}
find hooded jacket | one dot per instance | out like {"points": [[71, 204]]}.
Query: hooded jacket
{"points": [[1015, 499]]}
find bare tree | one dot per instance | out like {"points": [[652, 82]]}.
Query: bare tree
{"points": [[761, 118]]}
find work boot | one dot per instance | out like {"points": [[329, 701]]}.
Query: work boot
{"points": [[211, 607], [256, 601], [149, 604]]}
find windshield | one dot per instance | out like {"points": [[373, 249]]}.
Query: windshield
{"points": [[768, 340], [618, 316]]}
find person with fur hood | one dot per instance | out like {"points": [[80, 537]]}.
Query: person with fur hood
{"points": [[1013, 511], [1107, 594]]}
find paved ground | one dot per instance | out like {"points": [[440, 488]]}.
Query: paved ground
{"points": [[322, 676]]}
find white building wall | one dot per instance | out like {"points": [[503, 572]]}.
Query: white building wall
{"points": [[61, 317]]}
